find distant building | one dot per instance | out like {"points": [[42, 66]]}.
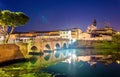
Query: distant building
{"points": [[26, 36], [3, 32], [76, 33], [92, 27], [85, 36], [105, 33], [92, 33], [21, 36], [65, 34]]}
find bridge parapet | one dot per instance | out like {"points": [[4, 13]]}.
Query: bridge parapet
{"points": [[42, 45]]}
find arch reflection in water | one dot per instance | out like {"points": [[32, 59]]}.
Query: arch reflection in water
{"points": [[33, 60], [49, 57], [57, 54]]}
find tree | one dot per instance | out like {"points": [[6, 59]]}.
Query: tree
{"points": [[3, 29], [116, 38], [12, 19]]}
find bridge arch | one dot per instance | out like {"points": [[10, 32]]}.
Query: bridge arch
{"points": [[33, 60], [47, 47], [33, 48], [65, 45], [57, 46]]}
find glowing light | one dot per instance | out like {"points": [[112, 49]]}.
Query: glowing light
{"points": [[74, 40], [118, 61], [13, 36], [54, 52], [69, 54], [71, 59], [74, 56]]}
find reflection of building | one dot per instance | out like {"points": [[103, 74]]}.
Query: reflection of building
{"points": [[93, 59]]}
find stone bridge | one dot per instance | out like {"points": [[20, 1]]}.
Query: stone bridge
{"points": [[45, 45]]}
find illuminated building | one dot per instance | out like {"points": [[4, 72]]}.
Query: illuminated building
{"points": [[76, 33], [65, 34], [118, 33], [92, 33], [85, 36], [92, 27], [105, 33], [3, 32]]}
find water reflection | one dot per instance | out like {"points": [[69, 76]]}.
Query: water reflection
{"points": [[31, 67], [87, 63], [92, 56], [72, 62]]}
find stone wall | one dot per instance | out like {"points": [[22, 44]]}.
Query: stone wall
{"points": [[10, 52], [23, 48]]}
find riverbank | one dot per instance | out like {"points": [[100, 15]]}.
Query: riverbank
{"points": [[106, 45], [95, 45]]}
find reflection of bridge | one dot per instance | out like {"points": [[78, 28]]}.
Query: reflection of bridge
{"points": [[49, 57], [41, 45]]}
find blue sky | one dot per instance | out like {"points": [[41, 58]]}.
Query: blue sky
{"points": [[63, 14]]}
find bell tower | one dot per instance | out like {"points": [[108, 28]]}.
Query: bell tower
{"points": [[95, 23]]}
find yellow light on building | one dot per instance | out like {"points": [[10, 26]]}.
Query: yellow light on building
{"points": [[13, 37], [118, 61]]}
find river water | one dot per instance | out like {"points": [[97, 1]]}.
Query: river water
{"points": [[67, 63]]}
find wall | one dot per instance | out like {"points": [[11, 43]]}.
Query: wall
{"points": [[9, 52], [23, 48]]}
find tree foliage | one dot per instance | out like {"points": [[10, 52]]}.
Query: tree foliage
{"points": [[116, 38], [12, 19]]}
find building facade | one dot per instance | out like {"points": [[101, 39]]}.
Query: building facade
{"points": [[65, 34]]}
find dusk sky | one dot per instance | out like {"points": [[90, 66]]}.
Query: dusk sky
{"points": [[65, 14]]}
